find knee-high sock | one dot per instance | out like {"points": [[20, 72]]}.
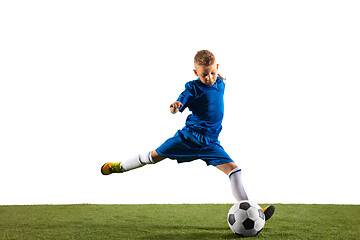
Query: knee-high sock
{"points": [[136, 161], [237, 185]]}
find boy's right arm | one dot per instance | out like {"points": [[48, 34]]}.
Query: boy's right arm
{"points": [[185, 98], [174, 107]]}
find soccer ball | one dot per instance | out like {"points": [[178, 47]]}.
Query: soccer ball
{"points": [[246, 218]]}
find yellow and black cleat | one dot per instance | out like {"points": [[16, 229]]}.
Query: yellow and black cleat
{"points": [[268, 211], [109, 168]]}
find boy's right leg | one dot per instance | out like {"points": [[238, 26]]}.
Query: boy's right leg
{"points": [[131, 163], [172, 145], [156, 157]]}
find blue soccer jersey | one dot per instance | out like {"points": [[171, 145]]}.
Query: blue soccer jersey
{"points": [[207, 106], [199, 138]]}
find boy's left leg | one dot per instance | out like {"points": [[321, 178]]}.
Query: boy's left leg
{"points": [[131, 163], [234, 173], [215, 155]]}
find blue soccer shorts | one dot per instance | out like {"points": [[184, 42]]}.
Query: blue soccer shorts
{"points": [[187, 146]]}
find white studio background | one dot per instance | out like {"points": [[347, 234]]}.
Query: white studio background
{"points": [[85, 82]]}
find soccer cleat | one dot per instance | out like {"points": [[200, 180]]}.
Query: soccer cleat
{"points": [[268, 211], [109, 168]]}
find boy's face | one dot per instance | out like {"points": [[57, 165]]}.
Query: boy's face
{"points": [[207, 74]]}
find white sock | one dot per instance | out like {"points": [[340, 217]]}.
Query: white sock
{"points": [[236, 185], [137, 161]]}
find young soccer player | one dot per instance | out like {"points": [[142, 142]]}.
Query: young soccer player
{"points": [[199, 138]]}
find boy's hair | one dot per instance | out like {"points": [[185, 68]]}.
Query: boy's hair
{"points": [[204, 58]]}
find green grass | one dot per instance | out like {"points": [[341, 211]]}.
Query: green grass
{"points": [[187, 221]]}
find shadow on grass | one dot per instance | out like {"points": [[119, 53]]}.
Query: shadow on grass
{"points": [[190, 232]]}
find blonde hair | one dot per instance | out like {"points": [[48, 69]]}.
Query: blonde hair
{"points": [[204, 58]]}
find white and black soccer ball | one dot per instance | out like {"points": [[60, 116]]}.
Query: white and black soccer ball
{"points": [[246, 218]]}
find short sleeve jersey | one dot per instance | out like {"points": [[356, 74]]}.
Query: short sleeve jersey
{"points": [[207, 106]]}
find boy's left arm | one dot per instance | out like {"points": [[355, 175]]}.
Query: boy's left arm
{"points": [[224, 79]]}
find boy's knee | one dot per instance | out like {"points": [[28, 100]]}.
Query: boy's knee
{"points": [[227, 167], [156, 157]]}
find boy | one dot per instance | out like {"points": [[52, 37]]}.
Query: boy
{"points": [[199, 138]]}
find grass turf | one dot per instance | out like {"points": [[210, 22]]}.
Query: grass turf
{"points": [[186, 221]]}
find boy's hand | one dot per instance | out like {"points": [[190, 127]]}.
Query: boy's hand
{"points": [[174, 107]]}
